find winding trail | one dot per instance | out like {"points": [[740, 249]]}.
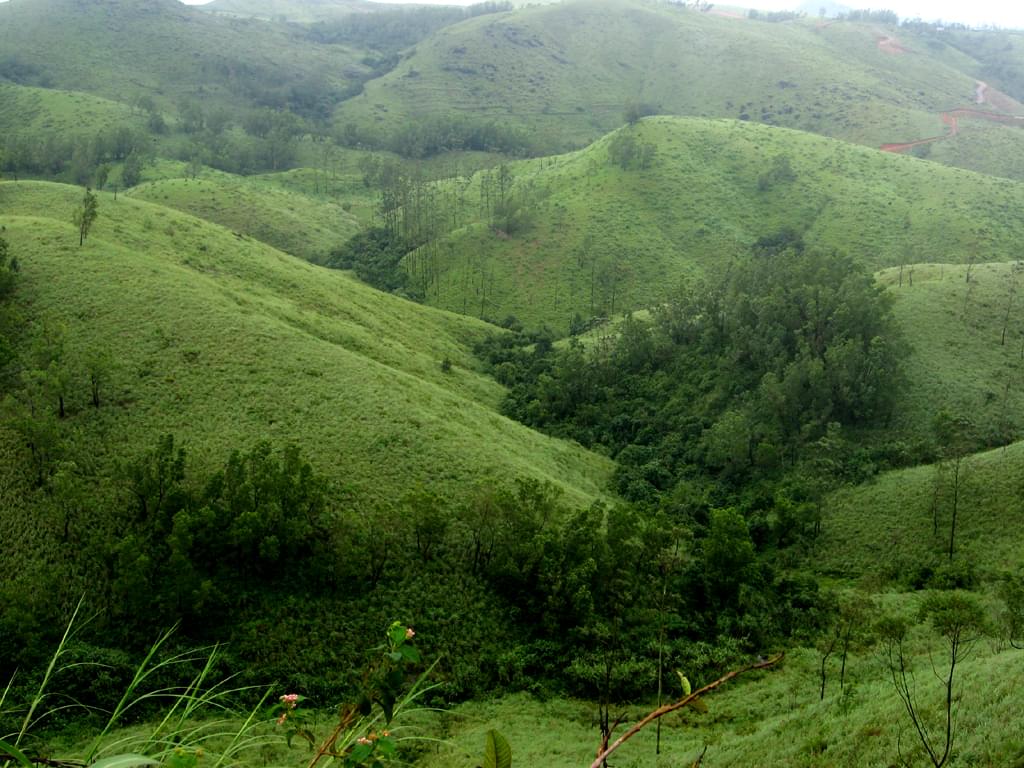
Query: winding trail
{"points": [[952, 118]]}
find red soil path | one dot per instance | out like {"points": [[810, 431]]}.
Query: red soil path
{"points": [[890, 45], [952, 118]]}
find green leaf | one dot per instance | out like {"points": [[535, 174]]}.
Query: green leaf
{"points": [[410, 654], [360, 752], [683, 681], [387, 746], [396, 634], [394, 679], [126, 760], [497, 752], [17, 754]]}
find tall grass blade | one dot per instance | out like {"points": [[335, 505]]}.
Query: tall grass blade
{"points": [[41, 691], [17, 754]]}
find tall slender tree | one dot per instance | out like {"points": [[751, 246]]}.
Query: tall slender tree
{"points": [[85, 215]]}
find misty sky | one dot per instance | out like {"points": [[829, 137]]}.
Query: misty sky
{"points": [[1005, 13]]}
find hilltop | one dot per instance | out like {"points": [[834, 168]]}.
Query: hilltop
{"points": [[168, 51], [595, 238], [302, 225], [567, 73], [303, 11]]}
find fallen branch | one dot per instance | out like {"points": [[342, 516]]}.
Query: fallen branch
{"points": [[662, 711]]}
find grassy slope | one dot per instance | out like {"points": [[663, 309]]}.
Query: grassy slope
{"points": [[771, 719], [638, 232], [885, 528], [40, 111], [958, 360], [997, 150], [122, 48], [223, 341], [567, 71], [306, 11], [298, 224]]}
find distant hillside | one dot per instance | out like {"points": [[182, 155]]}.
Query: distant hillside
{"points": [[594, 238], [39, 111], [292, 10], [567, 73], [122, 49]]}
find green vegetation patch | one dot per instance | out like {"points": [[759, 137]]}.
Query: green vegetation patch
{"points": [[295, 223], [29, 110], [600, 234], [221, 340], [566, 72]]}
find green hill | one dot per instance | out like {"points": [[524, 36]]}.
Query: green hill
{"points": [[566, 73], [596, 238], [305, 11], [222, 340], [298, 224], [960, 358], [886, 530], [122, 49], [897, 526], [39, 111]]}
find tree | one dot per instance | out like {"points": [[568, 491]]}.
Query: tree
{"points": [[102, 173], [156, 477], [1011, 590], [39, 429], [848, 630], [131, 171], [98, 363], [954, 434], [8, 266], [960, 620], [85, 215]]}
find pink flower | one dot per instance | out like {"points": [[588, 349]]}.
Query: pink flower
{"points": [[363, 740], [409, 633], [290, 700]]}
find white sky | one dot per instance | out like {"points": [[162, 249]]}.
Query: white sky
{"points": [[1005, 13]]}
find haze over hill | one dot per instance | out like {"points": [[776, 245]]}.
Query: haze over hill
{"points": [[566, 73], [166, 50]]}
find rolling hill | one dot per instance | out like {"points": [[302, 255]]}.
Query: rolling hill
{"points": [[302, 225], [123, 49], [222, 341], [597, 238], [567, 72], [41, 111], [305, 11]]}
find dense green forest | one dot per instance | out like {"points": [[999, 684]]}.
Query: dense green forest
{"points": [[459, 385]]}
